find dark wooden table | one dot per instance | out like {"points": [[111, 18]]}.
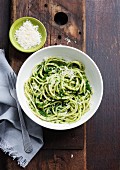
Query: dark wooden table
{"points": [[94, 27]]}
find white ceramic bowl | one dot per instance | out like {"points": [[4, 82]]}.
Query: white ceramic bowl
{"points": [[68, 53]]}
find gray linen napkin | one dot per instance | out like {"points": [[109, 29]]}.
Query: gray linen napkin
{"points": [[10, 130]]}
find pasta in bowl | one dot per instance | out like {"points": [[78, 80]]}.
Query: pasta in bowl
{"points": [[58, 91], [59, 87]]}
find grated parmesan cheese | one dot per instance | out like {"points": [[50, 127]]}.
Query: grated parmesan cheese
{"points": [[68, 72], [27, 35], [68, 40]]}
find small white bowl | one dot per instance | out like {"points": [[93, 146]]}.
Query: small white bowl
{"points": [[68, 53]]}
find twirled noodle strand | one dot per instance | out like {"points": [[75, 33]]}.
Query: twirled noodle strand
{"points": [[58, 91]]}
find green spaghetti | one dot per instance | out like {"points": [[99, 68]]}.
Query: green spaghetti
{"points": [[58, 91]]}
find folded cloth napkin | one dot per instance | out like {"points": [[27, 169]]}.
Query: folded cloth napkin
{"points": [[10, 130]]}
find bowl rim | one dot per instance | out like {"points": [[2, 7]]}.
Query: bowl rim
{"points": [[34, 49], [72, 125]]}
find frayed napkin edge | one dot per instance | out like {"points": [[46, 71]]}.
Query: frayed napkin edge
{"points": [[10, 151]]}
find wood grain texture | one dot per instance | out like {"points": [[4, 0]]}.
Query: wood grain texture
{"points": [[45, 11], [69, 139], [4, 43], [46, 15], [52, 160], [4, 24], [103, 45], [62, 150]]}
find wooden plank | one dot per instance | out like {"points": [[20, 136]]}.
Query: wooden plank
{"points": [[3, 161], [4, 24], [4, 41], [53, 160], [45, 11], [62, 150], [103, 38], [69, 139]]}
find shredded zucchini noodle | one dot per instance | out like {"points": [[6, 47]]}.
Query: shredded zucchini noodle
{"points": [[58, 91]]}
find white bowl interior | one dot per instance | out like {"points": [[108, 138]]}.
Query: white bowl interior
{"points": [[68, 53]]}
